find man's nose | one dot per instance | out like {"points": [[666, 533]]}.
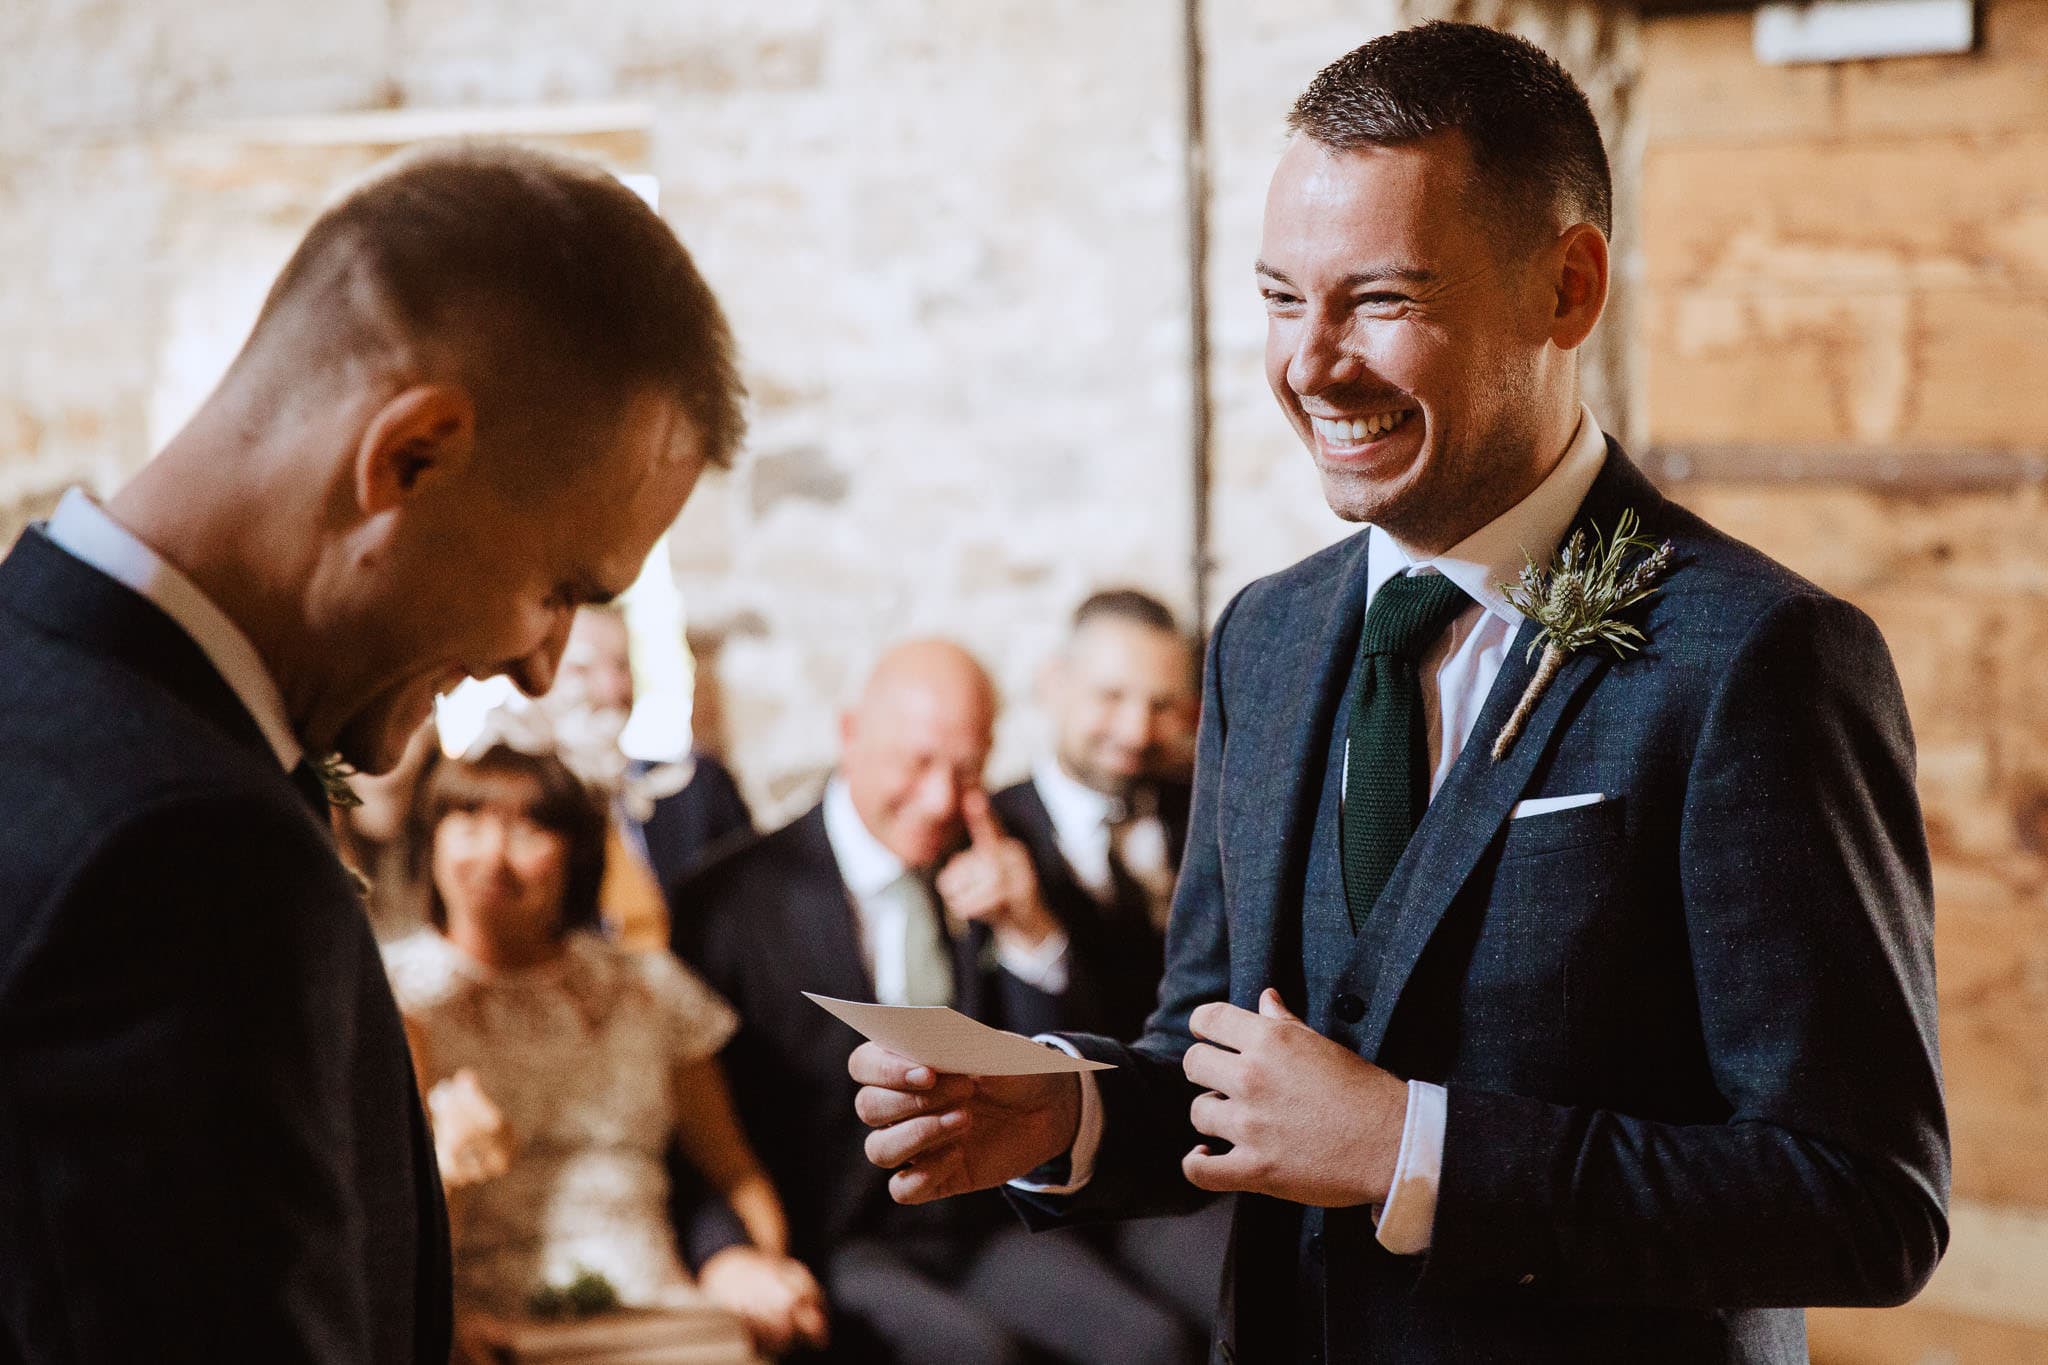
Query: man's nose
{"points": [[939, 796], [1132, 727], [487, 843], [1321, 358], [534, 671]]}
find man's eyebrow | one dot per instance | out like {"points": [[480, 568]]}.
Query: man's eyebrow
{"points": [[588, 592], [1380, 274]]}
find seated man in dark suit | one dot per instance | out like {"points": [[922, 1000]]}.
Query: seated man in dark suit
{"points": [[1106, 813], [841, 903], [1104, 816], [426, 455]]}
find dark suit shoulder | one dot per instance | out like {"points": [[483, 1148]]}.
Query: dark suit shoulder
{"points": [[1019, 806], [769, 859], [92, 748], [1722, 593], [729, 896], [1299, 591]]}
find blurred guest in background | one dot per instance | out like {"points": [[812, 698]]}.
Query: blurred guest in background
{"points": [[666, 817], [1105, 816], [841, 903], [1106, 813], [599, 1058]]}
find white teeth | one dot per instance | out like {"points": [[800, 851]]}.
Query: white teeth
{"points": [[1352, 430]]}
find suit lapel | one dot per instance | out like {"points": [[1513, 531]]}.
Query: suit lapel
{"points": [[1473, 804], [827, 935], [968, 946], [1272, 795], [1467, 813], [64, 596]]}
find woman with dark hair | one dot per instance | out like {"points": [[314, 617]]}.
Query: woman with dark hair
{"points": [[597, 1057]]}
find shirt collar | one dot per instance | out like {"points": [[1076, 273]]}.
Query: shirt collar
{"points": [[84, 530], [865, 864], [1496, 552], [1075, 807]]}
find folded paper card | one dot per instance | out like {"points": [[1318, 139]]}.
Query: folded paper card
{"points": [[947, 1040]]}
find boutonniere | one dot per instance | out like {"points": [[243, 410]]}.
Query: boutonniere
{"points": [[334, 773], [1579, 602]]}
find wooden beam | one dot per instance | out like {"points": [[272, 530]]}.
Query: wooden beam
{"points": [[1893, 469]]}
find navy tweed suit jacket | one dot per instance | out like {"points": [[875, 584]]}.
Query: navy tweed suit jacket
{"points": [[211, 1146], [1688, 1033]]}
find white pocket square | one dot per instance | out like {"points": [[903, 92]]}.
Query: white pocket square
{"points": [[1544, 805]]}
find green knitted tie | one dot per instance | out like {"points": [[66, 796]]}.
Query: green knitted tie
{"points": [[1386, 785]]}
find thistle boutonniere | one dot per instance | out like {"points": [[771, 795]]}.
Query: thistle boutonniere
{"points": [[1578, 603], [334, 772]]}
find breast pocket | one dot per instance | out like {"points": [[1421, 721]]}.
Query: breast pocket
{"points": [[1546, 910], [1553, 831]]}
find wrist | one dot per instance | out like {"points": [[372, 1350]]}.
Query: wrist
{"points": [[1067, 1114], [1383, 1155]]}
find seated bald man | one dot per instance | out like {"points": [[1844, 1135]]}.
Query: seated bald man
{"points": [[482, 387], [842, 902]]}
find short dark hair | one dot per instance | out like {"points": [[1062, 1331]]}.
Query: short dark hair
{"points": [[591, 292], [1535, 144], [1126, 604], [549, 794]]}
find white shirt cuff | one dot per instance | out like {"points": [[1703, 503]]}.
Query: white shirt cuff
{"points": [[1042, 968], [1087, 1138], [1408, 1218]]}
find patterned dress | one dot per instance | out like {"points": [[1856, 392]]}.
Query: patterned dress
{"points": [[581, 1055]]}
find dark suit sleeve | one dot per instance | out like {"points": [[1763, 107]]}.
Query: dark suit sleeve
{"points": [[200, 976], [704, 1221], [1809, 918], [1146, 1130]]}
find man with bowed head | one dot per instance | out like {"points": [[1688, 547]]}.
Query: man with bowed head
{"points": [[483, 385], [1606, 1036]]}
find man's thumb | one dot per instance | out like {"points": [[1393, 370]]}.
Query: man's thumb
{"points": [[982, 827], [1272, 1007]]}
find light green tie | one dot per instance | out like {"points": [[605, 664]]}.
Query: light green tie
{"points": [[927, 962]]}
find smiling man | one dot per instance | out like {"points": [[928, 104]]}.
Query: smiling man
{"points": [[1615, 1042], [481, 388]]}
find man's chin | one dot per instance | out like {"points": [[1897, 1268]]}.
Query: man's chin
{"points": [[375, 743]]}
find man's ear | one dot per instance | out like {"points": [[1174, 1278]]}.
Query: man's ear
{"points": [[422, 435], [1580, 281]]}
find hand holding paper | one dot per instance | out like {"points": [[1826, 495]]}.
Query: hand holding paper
{"points": [[943, 1131]]}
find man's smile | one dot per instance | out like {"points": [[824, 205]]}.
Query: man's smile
{"points": [[1351, 433]]}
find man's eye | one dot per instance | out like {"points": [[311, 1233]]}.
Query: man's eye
{"points": [[1383, 300], [1275, 299]]}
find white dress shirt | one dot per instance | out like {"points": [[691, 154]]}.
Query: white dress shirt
{"points": [[871, 873], [84, 530], [1464, 661], [1082, 818]]}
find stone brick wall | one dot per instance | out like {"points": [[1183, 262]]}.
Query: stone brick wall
{"points": [[952, 238], [1845, 304]]}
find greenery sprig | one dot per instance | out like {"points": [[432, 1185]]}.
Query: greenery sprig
{"points": [[1578, 604], [334, 772], [586, 1295]]}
